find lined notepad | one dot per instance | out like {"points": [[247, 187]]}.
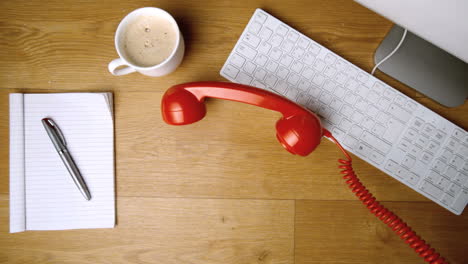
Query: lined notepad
{"points": [[43, 196]]}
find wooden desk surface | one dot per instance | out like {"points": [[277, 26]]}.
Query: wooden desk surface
{"points": [[221, 190]]}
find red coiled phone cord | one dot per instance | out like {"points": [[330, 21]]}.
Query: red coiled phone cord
{"points": [[388, 217]]}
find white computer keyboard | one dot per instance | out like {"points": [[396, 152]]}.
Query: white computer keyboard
{"points": [[371, 119]]}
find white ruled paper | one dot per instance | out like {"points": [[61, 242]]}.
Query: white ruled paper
{"points": [[51, 199]]}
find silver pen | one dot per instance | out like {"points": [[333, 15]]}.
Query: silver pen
{"points": [[60, 145]]}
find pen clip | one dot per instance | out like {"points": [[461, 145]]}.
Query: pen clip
{"points": [[59, 132]]}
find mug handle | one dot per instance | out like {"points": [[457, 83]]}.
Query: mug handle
{"points": [[113, 65]]}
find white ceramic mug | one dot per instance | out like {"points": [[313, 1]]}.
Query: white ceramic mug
{"points": [[163, 68]]}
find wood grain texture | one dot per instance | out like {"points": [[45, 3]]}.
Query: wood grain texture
{"points": [[344, 232], [221, 190], [165, 230]]}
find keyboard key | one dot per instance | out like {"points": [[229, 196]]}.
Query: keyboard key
{"points": [[391, 166], [276, 40], [454, 189], [381, 117], [346, 124], [461, 179], [384, 103], [244, 78], [287, 46], [286, 60], [308, 73], [246, 51], [261, 60], [415, 151], [433, 177], [318, 79], [417, 123], [303, 99], [293, 79], [258, 84], [461, 201], [363, 149], [394, 129], [376, 142], [297, 66], [314, 48], [319, 65], [405, 145], [303, 85], [355, 131], [260, 16], [298, 52], [433, 147], [458, 134], [281, 87], [379, 87], [309, 59], [350, 98], [265, 34], [326, 98], [303, 42], [421, 142], [336, 104], [351, 142], [255, 27], [270, 80], [451, 173], [362, 77], [292, 93], [237, 60], [373, 96], [329, 71], [376, 157], [272, 66], [399, 99], [378, 129], [341, 65], [447, 199], [282, 72], [335, 118], [329, 85], [456, 161], [408, 161], [352, 85], [462, 150], [438, 166], [260, 74], [357, 117], [431, 189], [293, 36], [231, 71], [443, 183], [402, 173], [249, 67], [264, 48], [413, 179], [429, 130], [399, 113], [426, 157], [411, 134], [330, 59], [251, 39], [282, 30], [340, 78], [276, 54], [340, 91]]}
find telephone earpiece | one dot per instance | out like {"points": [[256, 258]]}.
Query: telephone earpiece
{"points": [[299, 130]]}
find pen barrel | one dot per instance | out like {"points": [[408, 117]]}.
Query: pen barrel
{"points": [[74, 173]]}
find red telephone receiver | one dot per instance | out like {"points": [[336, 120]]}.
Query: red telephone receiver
{"points": [[299, 130]]}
